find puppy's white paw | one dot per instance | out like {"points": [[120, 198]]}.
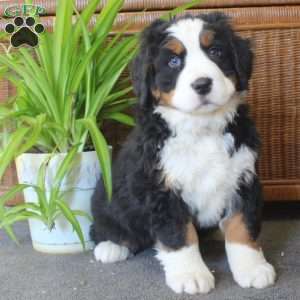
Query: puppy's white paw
{"points": [[186, 271], [200, 281], [109, 252], [258, 276], [249, 266]]}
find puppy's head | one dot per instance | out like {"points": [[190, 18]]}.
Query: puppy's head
{"points": [[192, 64]]}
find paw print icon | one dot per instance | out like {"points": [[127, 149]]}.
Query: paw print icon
{"points": [[24, 31]]}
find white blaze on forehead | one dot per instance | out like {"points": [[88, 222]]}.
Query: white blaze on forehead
{"points": [[188, 32], [197, 64]]}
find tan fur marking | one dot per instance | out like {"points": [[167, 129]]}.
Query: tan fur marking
{"points": [[207, 38], [237, 232], [156, 94], [191, 238], [175, 46], [163, 98], [191, 234]]}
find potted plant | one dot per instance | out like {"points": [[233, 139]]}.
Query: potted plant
{"points": [[66, 87]]}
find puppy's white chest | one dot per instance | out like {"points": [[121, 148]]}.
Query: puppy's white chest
{"points": [[196, 161], [199, 166]]}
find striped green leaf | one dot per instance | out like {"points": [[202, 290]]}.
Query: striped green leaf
{"points": [[70, 216], [103, 152], [14, 144], [120, 117]]}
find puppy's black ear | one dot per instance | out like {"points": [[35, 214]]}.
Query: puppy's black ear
{"points": [[142, 69], [243, 60]]}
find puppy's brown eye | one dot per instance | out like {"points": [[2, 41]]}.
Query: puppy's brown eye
{"points": [[174, 62], [215, 52]]}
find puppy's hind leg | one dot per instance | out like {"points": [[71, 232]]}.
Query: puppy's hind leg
{"points": [[110, 252], [110, 239]]}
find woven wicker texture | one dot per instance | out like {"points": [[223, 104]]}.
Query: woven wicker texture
{"points": [[274, 98], [254, 18], [140, 5], [274, 90]]}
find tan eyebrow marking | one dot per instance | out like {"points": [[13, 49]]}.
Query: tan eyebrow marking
{"points": [[175, 46], [207, 38]]}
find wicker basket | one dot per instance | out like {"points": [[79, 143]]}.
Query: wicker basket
{"points": [[274, 94]]}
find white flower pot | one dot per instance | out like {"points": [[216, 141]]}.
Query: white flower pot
{"points": [[80, 185]]}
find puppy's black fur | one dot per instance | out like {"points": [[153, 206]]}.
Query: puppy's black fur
{"points": [[144, 209]]}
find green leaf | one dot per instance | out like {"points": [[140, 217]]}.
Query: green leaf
{"points": [[106, 18], [82, 214], [70, 216], [121, 93], [169, 15], [34, 85], [11, 115], [118, 106], [40, 189], [101, 30], [45, 57], [105, 88], [124, 50], [21, 208], [54, 196], [32, 139], [39, 80], [4, 111], [14, 144], [120, 117], [62, 32], [103, 152], [8, 196], [21, 216], [3, 199], [65, 165], [12, 219], [85, 15], [82, 65], [9, 231], [89, 68]]}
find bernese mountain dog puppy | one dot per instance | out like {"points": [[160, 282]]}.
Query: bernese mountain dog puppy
{"points": [[190, 161]]}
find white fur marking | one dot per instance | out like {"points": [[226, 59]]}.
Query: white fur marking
{"points": [[109, 252], [186, 271], [195, 159], [198, 64], [249, 266]]}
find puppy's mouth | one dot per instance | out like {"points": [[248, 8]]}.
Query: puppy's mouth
{"points": [[206, 102], [205, 105]]}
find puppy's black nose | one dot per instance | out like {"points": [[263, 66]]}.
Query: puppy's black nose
{"points": [[202, 85]]}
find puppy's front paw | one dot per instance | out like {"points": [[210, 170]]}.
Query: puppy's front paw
{"points": [[249, 266], [186, 271], [258, 276], [200, 281], [109, 252]]}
